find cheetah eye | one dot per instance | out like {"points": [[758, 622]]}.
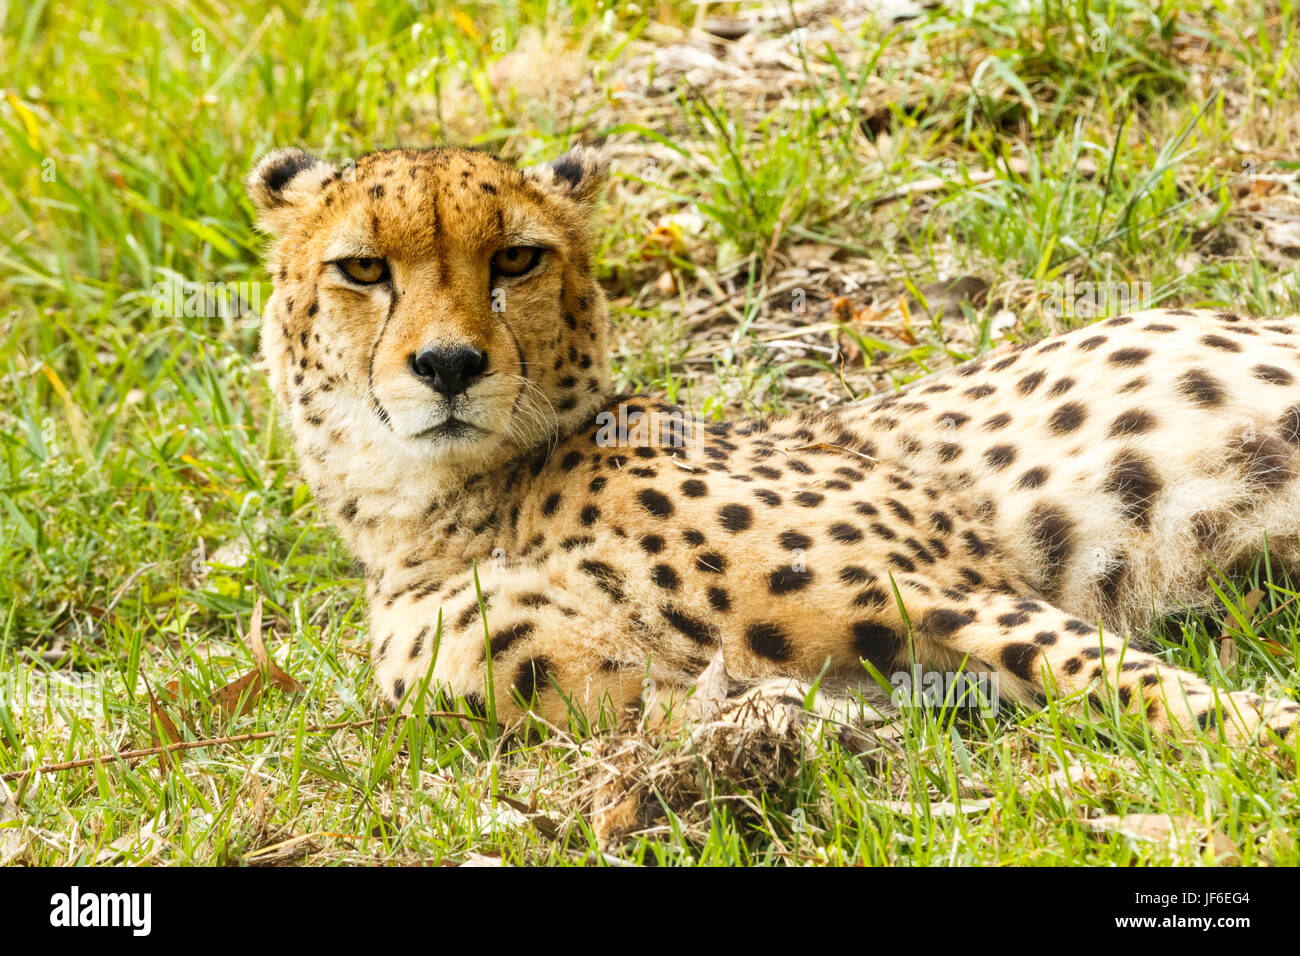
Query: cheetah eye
{"points": [[516, 261], [363, 271]]}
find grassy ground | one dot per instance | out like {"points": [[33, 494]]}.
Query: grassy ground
{"points": [[799, 216]]}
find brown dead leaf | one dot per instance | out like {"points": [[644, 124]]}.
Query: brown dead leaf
{"points": [[711, 689], [1173, 832], [278, 678], [158, 720], [228, 697], [248, 687]]}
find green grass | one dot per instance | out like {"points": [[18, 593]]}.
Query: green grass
{"points": [[148, 498]]}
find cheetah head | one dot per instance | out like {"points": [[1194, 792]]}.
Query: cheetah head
{"points": [[436, 305]]}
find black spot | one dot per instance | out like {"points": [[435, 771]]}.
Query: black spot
{"points": [[1128, 357], [693, 628], [876, 643], [845, 533], [278, 176], [1134, 422], [532, 674], [786, 580], [945, 621], [997, 422], [1044, 638], [1095, 341], [588, 515], [735, 518], [1030, 382], [1060, 387], [768, 497], [718, 600], [711, 563], [1013, 619], [607, 579], [1019, 659], [652, 544], [794, 540], [975, 545], [1273, 375], [664, 576], [1202, 388], [692, 537], [1111, 579], [1067, 418], [418, 646], [854, 574], [1000, 456], [940, 522], [1266, 461], [809, 499], [502, 639], [1078, 627], [1033, 478], [1053, 534], [694, 488], [655, 502], [871, 597], [349, 509], [768, 640], [1133, 480], [568, 169], [1219, 342]]}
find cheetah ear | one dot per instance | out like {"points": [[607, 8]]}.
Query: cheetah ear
{"points": [[579, 174], [281, 181]]}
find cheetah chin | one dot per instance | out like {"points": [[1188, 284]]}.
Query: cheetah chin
{"points": [[440, 348]]}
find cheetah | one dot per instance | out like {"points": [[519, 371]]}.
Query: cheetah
{"points": [[534, 543]]}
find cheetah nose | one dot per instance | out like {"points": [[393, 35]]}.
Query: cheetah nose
{"points": [[449, 371]]}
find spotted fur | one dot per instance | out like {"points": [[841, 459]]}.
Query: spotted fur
{"points": [[1021, 513]]}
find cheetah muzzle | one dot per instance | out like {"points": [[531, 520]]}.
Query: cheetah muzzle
{"points": [[440, 347]]}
